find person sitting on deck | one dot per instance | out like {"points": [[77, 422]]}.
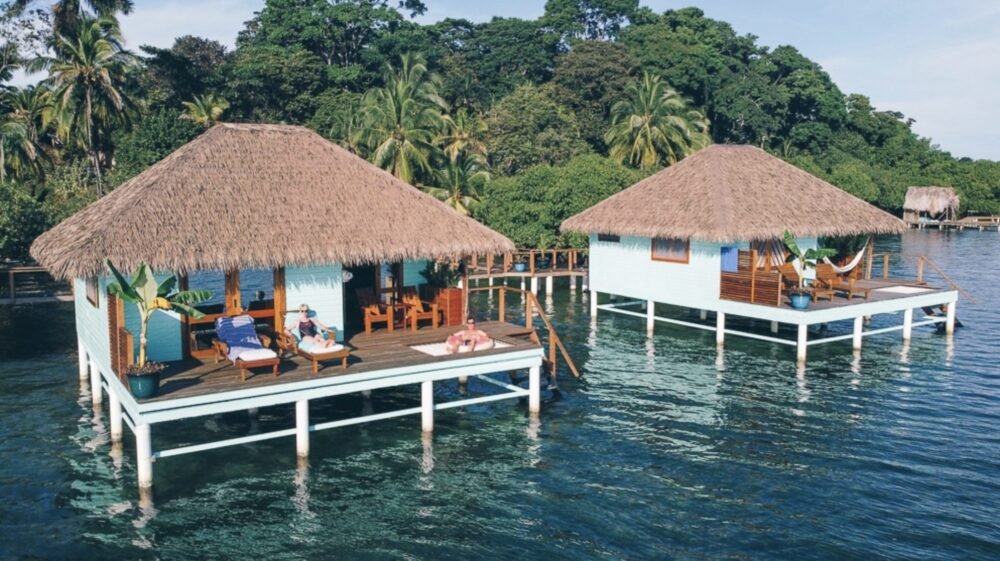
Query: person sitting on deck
{"points": [[469, 339], [310, 329]]}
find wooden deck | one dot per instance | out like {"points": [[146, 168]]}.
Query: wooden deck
{"points": [[378, 351], [840, 300]]}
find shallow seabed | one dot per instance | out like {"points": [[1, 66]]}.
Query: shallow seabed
{"points": [[666, 450]]}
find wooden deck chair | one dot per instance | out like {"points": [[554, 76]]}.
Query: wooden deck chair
{"points": [[373, 310], [418, 310], [238, 341], [292, 343], [820, 288]]}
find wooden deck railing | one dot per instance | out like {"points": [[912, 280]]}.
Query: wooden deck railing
{"points": [[924, 263], [559, 260], [29, 281], [532, 307], [750, 283]]}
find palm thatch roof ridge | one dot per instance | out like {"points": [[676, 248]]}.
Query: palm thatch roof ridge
{"points": [[728, 193], [244, 196], [932, 200]]}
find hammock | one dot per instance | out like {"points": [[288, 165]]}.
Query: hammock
{"points": [[850, 266]]}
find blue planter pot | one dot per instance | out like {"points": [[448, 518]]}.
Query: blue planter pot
{"points": [[800, 301], [520, 267], [542, 263], [144, 387]]}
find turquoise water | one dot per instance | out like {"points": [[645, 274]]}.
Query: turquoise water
{"points": [[665, 451]]}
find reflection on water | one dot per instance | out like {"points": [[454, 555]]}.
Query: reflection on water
{"points": [[670, 448]]}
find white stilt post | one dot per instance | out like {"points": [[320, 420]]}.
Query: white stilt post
{"points": [[427, 406], [720, 328], [859, 327], [535, 389], [367, 394], [82, 355], [115, 413], [549, 281], [775, 327], [522, 283], [907, 324], [800, 347], [572, 284], [534, 285], [949, 323], [144, 455], [650, 316], [96, 394], [491, 281], [703, 315], [302, 428], [585, 281]]}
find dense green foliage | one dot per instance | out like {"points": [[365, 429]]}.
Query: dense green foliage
{"points": [[538, 106]]}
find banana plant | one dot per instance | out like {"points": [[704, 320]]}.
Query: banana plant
{"points": [[804, 260], [150, 296]]}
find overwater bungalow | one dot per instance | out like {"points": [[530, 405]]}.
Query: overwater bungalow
{"points": [[269, 217], [706, 234], [930, 205]]}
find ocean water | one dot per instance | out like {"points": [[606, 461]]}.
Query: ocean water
{"points": [[665, 450]]}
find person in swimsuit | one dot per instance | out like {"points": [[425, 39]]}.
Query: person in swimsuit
{"points": [[470, 337], [310, 329]]}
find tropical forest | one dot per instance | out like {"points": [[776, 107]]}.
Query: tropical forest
{"points": [[518, 123]]}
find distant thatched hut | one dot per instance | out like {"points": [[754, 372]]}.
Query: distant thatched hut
{"points": [[928, 204], [278, 206]]}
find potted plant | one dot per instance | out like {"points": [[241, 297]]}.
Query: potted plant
{"points": [[150, 296], [442, 282], [520, 264], [803, 261]]}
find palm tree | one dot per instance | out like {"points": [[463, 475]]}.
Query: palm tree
{"points": [[464, 132], [30, 111], [205, 110], [654, 126], [17, 152], [68, 15], [401, 120], [88, 74], [459, 183]]}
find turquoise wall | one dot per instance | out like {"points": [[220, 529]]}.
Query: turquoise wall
{"points": [[413, 272], [163, 333], [322, 288], [92, 322]]}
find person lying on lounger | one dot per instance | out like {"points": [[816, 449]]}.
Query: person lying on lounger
{"points": [[310, 329], [469, 339]]}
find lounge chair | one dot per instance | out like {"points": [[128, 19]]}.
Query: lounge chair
{"points": [[820, 288], [373, 310], [238, 341], [418, 310], [848, 284], [312, 352]]}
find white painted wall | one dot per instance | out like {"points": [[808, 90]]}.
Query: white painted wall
{"points": [[322, 288]]}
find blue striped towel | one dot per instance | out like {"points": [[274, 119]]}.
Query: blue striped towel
{"points": [[239, 333]]}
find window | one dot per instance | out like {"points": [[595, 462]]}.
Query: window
{"points": [[608, 238], [93, 292], [674, 250]]}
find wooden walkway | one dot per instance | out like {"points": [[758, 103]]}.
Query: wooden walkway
{"points": [[876, 295], [379, 351]]}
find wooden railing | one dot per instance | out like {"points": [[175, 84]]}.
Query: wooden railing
{"points": [[532, 307], [39, 283], [923, 264], [749, 283], [559, 260]]}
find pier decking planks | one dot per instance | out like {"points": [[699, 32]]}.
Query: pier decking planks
{"points": [[378, 351]]}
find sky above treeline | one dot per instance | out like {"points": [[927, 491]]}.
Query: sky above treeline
{"points": [[937, 62]]}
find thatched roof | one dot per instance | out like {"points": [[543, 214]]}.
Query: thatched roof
{"points": [[932, 200], [260, 196], [727, 193]]}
